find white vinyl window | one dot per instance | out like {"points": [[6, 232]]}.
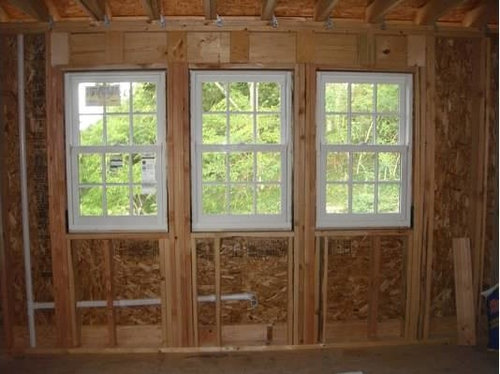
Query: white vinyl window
{"points": [[115, 151], [241, 150], [364, 149]]}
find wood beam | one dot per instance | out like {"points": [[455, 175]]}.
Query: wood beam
{"points": [[480, 15], [433, 10], [209, 7], [376, 11], [323, 9], [35, 8], [152, 8], [53, 12], [3, 15], [268, 9], [95, 8]]}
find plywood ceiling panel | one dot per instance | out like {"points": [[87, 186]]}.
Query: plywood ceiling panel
{"points": [[239, 7], [126, 8], [69, 9], [183, 8], [297, 8], [350, 9]]}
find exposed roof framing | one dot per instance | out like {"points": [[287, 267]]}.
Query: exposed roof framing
{"points": [[52, 10], [95, 8], [268, 9], [209, 7], [3, 15], [376, 11], [152, 8], [35, 8], [323, 9], [430, 12], [479, 16]]}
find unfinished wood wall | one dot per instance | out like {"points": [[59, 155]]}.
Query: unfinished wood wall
{"points": [[331, 287]]}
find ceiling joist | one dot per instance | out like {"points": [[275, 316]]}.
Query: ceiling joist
{"points": [[376, 11], [54, 13], [35, 8], [480, 15], [268, 9], [152, 8], [3, 15], [95, 8], [433, 10], [323, 9], [209, 7]]}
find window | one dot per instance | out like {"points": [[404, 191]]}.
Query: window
{"points": [[241, 150], [115, 145], [364, 149]]}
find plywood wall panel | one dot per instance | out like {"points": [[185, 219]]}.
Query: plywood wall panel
{"points": [[278, 48], [391, 51], [337, 50], [144, 48], [87, 49], [208, 47]]}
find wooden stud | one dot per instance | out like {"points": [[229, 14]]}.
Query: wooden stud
{"points": [[480, 14], [152, 8], [53, 12], [96, 9], [324, 291], [238, 47], [290, 292], [59, 54], [218, 325], [165, 315], [323, 9], [75, 326], [194, 275], [3, 15], [268, 9], [318, 275], [416, 50], [433, 9], [108, 276], [35, 8], [210, 9], [374, 288], [377, 9]]}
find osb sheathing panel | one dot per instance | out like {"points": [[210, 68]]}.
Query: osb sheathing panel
{"points": [[11, 195], [88, 263], [239, 7], [121, 8], [392, 294], [350, 9], [69, 9], [453, 169], [183, 8], [297, 8], [41, 260]]}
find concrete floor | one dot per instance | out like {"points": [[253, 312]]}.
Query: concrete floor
{"points": [[381, 360]]}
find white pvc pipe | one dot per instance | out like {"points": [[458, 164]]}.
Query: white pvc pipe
{"points": [[24, 189]]}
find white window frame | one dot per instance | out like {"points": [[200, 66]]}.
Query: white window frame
{"points": [[326, 220], [78, 223], [248, 222]]}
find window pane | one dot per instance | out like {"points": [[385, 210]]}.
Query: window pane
{"points": [[337, 198], [241, 128], [389, 166], [214, 129], [241, 199], [241, 166], [91, 130], [388, 198], [387, 130], [337, 166], [144, 129], [214, 199], [387, 98], [145, 202], [144, 99], [117, 168], [363, 166], [214, 96], [362, 130], [241, 96], [336, 97], [363, 198], [118, 200], [117, 97], [90, 201], [269, 167], [336, 129], [269, 199], [269, 94], [269, 128], [90, 168], [117, 129], [362, 97], [213, 167]]}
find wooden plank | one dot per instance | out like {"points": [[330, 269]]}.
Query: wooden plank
{"points": [[238, 46], [354, 331], [267, 11], [323, 9], [464, 292], [210, 9], [433, 10], [165, 315], [110, 295], [366, 49], [248, 234], [208, 47], [75, 326], [317, 291], [391, 51], [35, 8], [3, 15], [218, 324], [480, 14], [272, 47], [114, 49], [59, 53], [416, 50], [194, 274], [176, 46], [369, 232], [145, 47], [324, 291], [95, 8], [87, 49], [305, 46], [335, 49], [290, 291], [374, 288], [123, 236], [377, 9], [152, 8], [53, 12]]}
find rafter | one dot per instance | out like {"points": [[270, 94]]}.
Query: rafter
{"points": [[268, 9], [323, 9], [3, 15], [54, 13], [433, 10], [479, 16], [209, 7], [35, 8], [152, 8], [95, 8], [376, 11]]}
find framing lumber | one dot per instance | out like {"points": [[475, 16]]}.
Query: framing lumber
{"points": [[376, 11], [3, 15], [479, 15], [324, 291], [323, 9], [374, 287], [108, 276], [75, 328], [53, 12], [433, 10], [218, 309], [210, 9], [194, 274], [35, 8], [163, 248], [96, 9], [290, 304], [152, 8], [268, 7]]}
